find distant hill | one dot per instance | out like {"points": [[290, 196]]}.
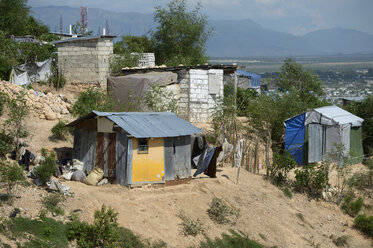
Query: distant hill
{"points": [[231, 38]]}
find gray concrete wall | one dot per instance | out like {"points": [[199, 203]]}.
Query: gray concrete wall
{"points": [[85, 61], [196, 104]]}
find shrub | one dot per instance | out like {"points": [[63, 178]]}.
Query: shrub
{"points": [[159, 99], [3, 100], [60, 130], [352, 207], [46, 168], [92, 99], [282, 164], [190, 227], [6, 143], [11, 175], [341, 241], [364, 224], [56, 79], [231, 241], [219, 211], [103, 233], [287, 192], [311, 180], [51, 203]]}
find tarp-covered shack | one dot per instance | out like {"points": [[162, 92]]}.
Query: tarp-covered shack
{"points": [[135, 148], [313, 135]]}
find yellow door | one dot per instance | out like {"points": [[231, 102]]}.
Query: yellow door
{"points": [[147, 162]]}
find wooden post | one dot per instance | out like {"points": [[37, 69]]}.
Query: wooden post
{"points": [[256, 168], [238, 174]]}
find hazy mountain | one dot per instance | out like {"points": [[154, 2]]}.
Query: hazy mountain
{"points": [[340, 40], [230, 38]]}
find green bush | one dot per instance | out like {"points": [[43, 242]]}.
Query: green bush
{"points": [[6, 143], [220, 212], [46, 168], [234, 240], [190, 227], [311, 179], [352, 207], [364, 224], [51, 203], [56, 79], [11, 174], [92, 99], [3, 101], [287, 192], [282, 164], [60, 130]]}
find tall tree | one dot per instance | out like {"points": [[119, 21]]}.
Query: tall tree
{"points": [[181, 36]]}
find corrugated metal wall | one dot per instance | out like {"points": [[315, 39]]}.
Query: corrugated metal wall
{"points": [[121, 159], [177, 157], [85, 147]]}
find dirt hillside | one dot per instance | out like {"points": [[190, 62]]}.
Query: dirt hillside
{"points": [[266, 214]]}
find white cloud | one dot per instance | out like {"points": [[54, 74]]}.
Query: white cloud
{"points": [[266, 2]]}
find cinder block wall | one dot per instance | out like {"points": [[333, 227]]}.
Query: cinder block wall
{"points": [[85, 61], [201, 103]]}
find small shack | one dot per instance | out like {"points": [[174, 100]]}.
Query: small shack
{"points": [[85, 59], [311, 136], [135, 148], [198, 88], [248, 80]]}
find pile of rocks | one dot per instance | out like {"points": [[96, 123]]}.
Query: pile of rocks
{"points": [[45, 106]]}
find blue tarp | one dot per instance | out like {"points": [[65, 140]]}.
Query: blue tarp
{"points": [[294, 137], [255, 78]]}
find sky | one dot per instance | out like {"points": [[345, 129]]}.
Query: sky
{"points": [[297, 17]]}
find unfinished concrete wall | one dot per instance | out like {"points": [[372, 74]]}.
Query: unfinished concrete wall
{"points": [[199, 92], [85, 60]]}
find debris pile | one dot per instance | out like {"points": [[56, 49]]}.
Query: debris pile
{"points": [[45, 106]]}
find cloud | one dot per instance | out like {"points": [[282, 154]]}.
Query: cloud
{"points": [[266, 2]]}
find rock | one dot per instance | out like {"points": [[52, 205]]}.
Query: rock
{"points": [[49, 94], [65, 111], [38, 182], [103, 182], [55, 108], [50, 115]]}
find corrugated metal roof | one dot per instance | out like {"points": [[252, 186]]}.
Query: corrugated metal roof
{"points": [[147, 124], [82, 38]]}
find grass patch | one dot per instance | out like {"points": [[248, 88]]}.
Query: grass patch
{"points": [[220, 212], [341, 241], [364, 224], [190, 227], [51, 203], [46, 233], [287, 192], [234, 240], [60, 130], [352, 207]]}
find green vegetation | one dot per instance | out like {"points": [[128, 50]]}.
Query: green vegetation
{"points": [[231, 241], [42, 234], [180, 37], [159, 99], [364, 224], [351, 207], [60, 130], [311, 179], [282, 164], [6, 143], [11, 175], [92, 99], [46, 168], [56, 80], [15, 19], [16, 122], [51, 203], [362, 180], [220, 212], [191, 227], [341, 241], [287, 192]]}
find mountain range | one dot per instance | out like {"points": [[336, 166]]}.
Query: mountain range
{"points": [[230, 38]]}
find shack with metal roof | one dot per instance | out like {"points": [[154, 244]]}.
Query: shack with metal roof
{"points": [[316, 134], [135, 148]]}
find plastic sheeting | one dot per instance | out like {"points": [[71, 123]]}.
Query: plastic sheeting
{"points": [[125, 88], [31, 72], [332, 115], [254, 78], [294, 137]]}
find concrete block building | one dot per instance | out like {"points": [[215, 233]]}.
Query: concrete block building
{"points": [[85, 59]]}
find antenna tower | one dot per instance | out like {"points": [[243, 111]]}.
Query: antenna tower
{"points": [[107, 28], [61, 27], [84, 18]]}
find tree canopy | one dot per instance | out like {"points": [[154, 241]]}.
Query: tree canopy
{"points": [[180, 37]]}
